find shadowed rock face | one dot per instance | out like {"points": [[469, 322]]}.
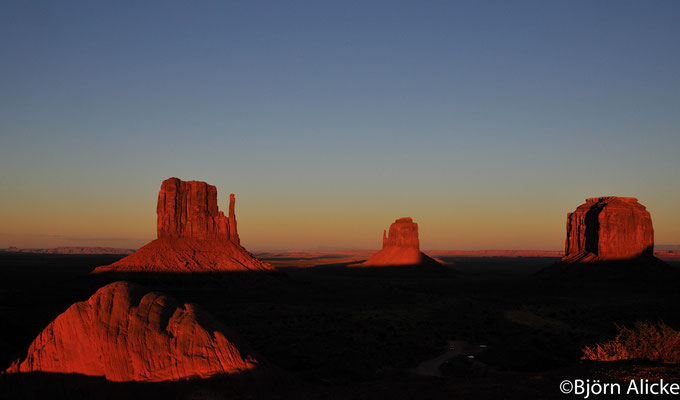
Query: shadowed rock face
{"points": [[124, 334], [193, 235], [400, 247], [609, 229]]}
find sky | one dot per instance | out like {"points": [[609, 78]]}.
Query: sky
{"points": [[485, 121]]}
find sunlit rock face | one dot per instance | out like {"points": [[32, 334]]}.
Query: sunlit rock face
{"points": [[403, 234], [400, 247], [609, 229], [124, 333], [189, 210], [193, 235]]}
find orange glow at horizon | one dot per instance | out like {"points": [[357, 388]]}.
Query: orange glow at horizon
{"points": [[289, 221], [328, 120]]}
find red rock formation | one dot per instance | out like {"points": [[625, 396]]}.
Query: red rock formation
{"points": [[403, 234], [400, 247], [124, 334], [608, 229], [193, 235], [189, 210]]}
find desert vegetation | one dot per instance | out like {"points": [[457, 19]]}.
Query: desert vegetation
{"points": [[643, 341]]}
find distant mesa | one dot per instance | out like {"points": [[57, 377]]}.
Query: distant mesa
{"points": [[91, 250], [193, 235], [609, 239], [497, 253], [400, 247], [609, 229], [123, 333]]}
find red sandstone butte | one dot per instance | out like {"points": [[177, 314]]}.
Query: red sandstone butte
{"points": [[123, 333], [193, 235], [400, 247], [609, 229]]}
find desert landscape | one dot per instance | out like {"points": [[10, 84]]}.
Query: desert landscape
{"points": [[369, 199], [343, 324]]}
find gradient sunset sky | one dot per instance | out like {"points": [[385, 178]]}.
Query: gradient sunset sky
{"points": [[485, 121]]}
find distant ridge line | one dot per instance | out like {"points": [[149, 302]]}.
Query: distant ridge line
{"points": [[662, 251], [69, 250]]}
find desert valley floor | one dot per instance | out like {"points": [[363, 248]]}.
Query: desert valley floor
{"points": [[334, 331]]}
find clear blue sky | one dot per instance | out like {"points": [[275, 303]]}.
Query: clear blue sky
{"points": [[486, 121]]}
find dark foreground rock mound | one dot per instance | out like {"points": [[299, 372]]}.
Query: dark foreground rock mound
{"points": [[124, 334]]}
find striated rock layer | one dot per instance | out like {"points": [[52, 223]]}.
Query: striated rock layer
{"points": [[124, 334], [609, 229], [193, 235], [189, 210], [400, 247]]}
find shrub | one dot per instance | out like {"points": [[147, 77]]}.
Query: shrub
{"points": [[645, 340]]}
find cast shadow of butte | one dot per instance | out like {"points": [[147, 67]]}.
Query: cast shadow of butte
{"points": [[43, 385], [208, 290]]}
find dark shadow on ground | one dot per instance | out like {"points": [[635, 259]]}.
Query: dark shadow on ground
{"points": [[346, 332], [41, 385], [645, 270]]}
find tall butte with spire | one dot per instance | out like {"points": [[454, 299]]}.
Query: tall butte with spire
{"points": [[192, 235], [400, 247]]}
